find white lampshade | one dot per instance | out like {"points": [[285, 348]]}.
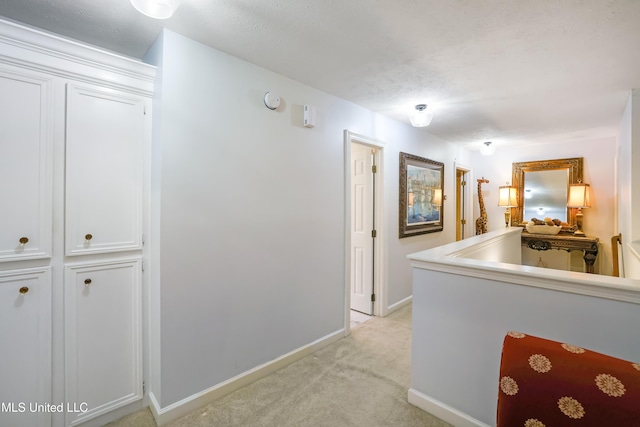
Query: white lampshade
{"points": [[507, 197], [158, 9], [421, 116], [579, 196]]}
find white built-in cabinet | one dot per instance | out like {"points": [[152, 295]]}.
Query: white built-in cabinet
{"points": [[25, 165], [103, 300], [74, 139], [25, 334], [103, 185]]}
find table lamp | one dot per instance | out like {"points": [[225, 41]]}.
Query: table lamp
{"points": [[579, 198], [507, 199]]}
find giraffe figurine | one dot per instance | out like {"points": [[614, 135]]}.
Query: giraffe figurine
{"points": [[481, 222]]}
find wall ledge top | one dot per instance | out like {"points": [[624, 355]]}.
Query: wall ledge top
{"points": [[447, 259]]}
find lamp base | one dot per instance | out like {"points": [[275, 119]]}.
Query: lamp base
{"points": [[579, 216], [507, 217]]}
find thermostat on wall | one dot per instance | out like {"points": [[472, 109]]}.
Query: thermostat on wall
{"points": [[309, 116], [271, 101]]}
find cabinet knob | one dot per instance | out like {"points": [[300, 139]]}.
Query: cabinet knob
{"points": [[87, 282], [88, 237], [24, 290], [23, 241]]}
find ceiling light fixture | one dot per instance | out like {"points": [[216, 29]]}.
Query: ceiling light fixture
{"points": [[487, 149], [421, 117], [158, 9]]}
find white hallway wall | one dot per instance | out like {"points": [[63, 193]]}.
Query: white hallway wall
{"points": [[599, 171], [248, 215]]}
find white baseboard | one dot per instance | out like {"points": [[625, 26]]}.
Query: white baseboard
{"points": [[442, 410], [397, 306], [198, 400]]}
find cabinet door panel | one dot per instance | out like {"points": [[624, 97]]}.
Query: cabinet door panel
{"points": [[104, 171], [25, 167], [25, 333], [102, 336]]}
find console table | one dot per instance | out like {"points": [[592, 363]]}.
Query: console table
{"points": [[567, 242]]}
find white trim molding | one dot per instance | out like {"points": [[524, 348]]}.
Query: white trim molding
{"points": [[380, 306], [164, 415], [34, 49], [400, 304], [442, 410]]}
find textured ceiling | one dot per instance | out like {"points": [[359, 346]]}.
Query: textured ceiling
{"points": [[507, 71]]}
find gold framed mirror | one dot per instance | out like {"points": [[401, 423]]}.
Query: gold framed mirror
{"points": [[543, 187]]}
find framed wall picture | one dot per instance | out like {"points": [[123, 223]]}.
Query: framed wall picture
{"points": [[421, 195]]}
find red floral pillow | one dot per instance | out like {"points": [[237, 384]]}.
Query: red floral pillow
{"points": [[547, 383]]}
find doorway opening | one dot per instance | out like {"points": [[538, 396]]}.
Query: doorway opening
{"points": [[463, 203], [358, 318], [364, 286]]}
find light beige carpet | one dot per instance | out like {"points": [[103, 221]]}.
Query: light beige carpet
{"points": [[361, 380]]}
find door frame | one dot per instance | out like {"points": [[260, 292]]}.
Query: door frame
{"points": [[467, 196], [379, 277]]}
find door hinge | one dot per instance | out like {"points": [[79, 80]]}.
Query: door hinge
{"points": [[144, 387], [463, 221], [374, 169], [143, 240], [373, 297], [144, 110], [143, 266], [374, 234]]}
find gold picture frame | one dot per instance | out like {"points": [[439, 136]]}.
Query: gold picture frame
{"points": [[574, 169]]}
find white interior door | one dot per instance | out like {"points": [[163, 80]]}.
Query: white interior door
{"points": [[362, 226]]}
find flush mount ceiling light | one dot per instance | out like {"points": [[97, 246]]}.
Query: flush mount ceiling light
{"points": [[487, 149], [158, 9], [421, 117]]}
